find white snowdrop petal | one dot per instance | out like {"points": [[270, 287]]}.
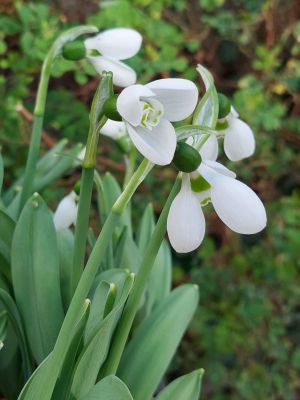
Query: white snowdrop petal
{"points": [[117, 43], [186, 223], [122, 74], [178, 96], [129, 103], [66, 212], [233, 112], [238, 206], [209, 150], [212, 171], [157, 145], [113, 129], [239, 140]]}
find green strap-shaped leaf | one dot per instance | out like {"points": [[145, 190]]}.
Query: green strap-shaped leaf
{"points": [[63, 386], [186, 387], [7, 227], [146, 228], [206, 113], [95, 351], [109, 388], [35, 276], [65, 240], [37, 380], [1, 172], [3, 327], [149, 353], [15, 320], [160, 280]]}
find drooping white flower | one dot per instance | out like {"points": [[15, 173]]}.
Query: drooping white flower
{"points": [[236, 204], [186, 223], [147, 111], [115, 45], [114, 129], [66, 212], [239, 141]]}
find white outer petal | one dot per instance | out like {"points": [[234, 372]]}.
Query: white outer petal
{"points": [[113, 129], [66, 212], [233, 112], [239, 140], [129, 104], [210, 149], [238, 206], [178, 96], [212, 171], [122, 74], [186, 223], [157, 145], [117, 43]]}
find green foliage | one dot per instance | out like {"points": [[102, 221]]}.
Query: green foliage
{"points": [[246, 334]]}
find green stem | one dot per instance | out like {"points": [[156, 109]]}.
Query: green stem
{"points": [[202, 140], [35, 140], [82, 226], [44, 388], [131, 160], [133, 303]]}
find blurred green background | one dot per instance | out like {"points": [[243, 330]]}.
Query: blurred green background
{"points": [[246, 333]]}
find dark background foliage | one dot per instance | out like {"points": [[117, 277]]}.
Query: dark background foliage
{"points": [[246, 333]]}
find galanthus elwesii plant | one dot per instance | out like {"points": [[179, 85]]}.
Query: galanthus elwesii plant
{"points": [[95, 317]]}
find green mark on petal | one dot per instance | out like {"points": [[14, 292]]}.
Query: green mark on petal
{"points": [[199, 184]]}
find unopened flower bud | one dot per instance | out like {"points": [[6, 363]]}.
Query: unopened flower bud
{"points": [[110, 108], [224, 105], [74, 50], [76, 187], [186, 158]]}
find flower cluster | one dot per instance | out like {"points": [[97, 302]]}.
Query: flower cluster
{"points": [[146, 113]]}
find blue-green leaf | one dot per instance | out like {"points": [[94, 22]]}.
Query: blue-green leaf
{"points": [[150, 351], [35, 276], [186, 387], [109, 388]]}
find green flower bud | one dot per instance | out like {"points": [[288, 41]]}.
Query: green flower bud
{"points": [[76, 187], [186, 158], [224, 105], [74, 50], [110, 108]]}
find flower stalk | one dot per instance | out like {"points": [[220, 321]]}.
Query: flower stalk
{"points": [[39, 109]]}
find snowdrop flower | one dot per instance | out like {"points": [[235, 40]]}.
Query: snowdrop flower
{"points": [[147, 111], [115, 45], [239, 142], [114, 129], [235, 203], [66, 212]]}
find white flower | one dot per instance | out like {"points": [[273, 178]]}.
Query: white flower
{"points": [[115, 45], [147, 111], [66, 212], [235, 203], [113, 129], [239, 141], [186, 223]]}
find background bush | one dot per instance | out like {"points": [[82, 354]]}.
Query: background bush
{"points": [[247, 331]]}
